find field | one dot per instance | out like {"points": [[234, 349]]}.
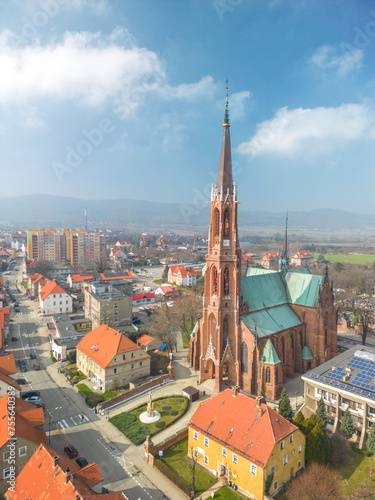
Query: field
{"points": [[352, 259]]}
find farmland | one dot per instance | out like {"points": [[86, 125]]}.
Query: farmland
{"points": [[350, 258]]}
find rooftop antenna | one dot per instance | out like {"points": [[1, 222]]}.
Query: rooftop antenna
{"points": [[85, 219]]}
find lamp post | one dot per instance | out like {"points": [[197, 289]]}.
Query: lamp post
{"points": [[59, 408], [296, 400]]}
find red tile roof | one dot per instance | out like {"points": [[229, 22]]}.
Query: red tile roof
{"points": [[222, 419], [143, 296], [102, 344], [145, 339], [9, 380], [270, 256], [50, 288], [7, 364], [167, 288], [302, 254], [183, 271], [78, 278], [118, 276]]}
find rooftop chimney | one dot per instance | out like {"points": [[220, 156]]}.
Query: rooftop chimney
{"points": [[235, 390], [259, 401], [56, 460]]}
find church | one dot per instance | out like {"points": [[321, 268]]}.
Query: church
{"points": [[258, 329]]}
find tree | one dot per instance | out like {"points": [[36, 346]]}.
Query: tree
{"points": [[164, 276], [309, 423], [164, 327], [285, 408], [194, 455], [101, 264], [299, 419], [43, 267], [186, 311], [317, 444], [317, 482], [321, 259], [339, 267], [370, 443], [347, 427], [321, 411], [340, 450], [72, 356]]}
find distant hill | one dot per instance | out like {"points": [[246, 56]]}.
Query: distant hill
{"points": [[59, 211]]}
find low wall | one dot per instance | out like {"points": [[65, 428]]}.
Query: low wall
{"points": [[133, 392]]}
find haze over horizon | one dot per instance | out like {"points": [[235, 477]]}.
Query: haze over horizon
{"points": [[125, 100]]}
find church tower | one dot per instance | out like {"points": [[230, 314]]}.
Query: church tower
{"points": [[284, 260], [219, 329]]}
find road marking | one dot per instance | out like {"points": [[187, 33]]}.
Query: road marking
{"points": [[72, 419], [65, 423]]}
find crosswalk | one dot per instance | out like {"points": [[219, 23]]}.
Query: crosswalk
{"points": [[67, 422]]}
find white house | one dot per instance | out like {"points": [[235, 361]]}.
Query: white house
{"points": [[182, 275], [53, 299]]}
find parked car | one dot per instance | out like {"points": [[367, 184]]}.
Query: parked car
{"points": [[71, 450], [81, 462], [36, 366], [21, 362], [21, 381], [23, 369], [14, 339], [32, 355], [35, 400], [136, 321], [29, 394]]}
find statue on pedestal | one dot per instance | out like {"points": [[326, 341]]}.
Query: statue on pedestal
{"points": [[150, 406]]}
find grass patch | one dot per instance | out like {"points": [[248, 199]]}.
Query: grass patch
{"points": [[352, 259], [158, 282], [185, 341], [137, 431], [109, 395], [226, 494], [174, 464], [86, 390], [53, 357], [356, 473], [24, 284], [76, 373]]}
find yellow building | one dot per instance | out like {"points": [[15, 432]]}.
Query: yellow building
{"points": [[242, 441]]}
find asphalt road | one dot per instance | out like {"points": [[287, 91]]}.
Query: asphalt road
{"points": [[64, 421]]}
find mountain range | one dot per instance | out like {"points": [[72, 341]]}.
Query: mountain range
{"points": [[60, 211]]}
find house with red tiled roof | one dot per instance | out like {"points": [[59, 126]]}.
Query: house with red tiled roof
{"points": [[19, 436], [148, 343], [143, 298], [270, 261], [123, 243], [110, 359], [48, 475], [33, 283], [302, 258], [117, 254], [4, 325], [181, 275], [53, 299], [143, 241], [247, 259], [167, 292], [243, 441]]}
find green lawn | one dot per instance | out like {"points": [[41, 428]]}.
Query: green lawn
{"points": [[175, 458], [356, 472], [170, 409], [83, 388], [226, 493], [185, 341], [352, 259], [109, 395]]}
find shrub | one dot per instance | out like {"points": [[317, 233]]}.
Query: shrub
{"points": [[72, 356], [173, 413], [93, 399], [166, 408], [159, 424], [76, 378], [137, 434], [53, 358]]}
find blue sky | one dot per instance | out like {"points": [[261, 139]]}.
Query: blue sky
{"points": [[125, 99]]}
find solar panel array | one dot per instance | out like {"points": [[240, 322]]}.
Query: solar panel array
{"points": [[361, 381]]}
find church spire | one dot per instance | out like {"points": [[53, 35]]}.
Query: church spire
{"points": [[284, 261], [224, 178]]}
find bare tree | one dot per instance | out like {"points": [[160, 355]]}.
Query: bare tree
{"points": [[194, 458], [164, 327], [318, 481], [186, 311]]}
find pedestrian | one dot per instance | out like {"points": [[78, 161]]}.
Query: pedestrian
{"points": [[83, 418]]}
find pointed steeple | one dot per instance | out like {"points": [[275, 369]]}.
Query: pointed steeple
{"points": [[284, 261], [224, 178]]}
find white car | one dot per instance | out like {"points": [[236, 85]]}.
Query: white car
{"points": [[170, 304]]}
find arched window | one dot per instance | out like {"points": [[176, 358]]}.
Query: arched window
{"points": [[292, 343], [244, 357], [212, 323], [282, 350], [301, 338], [276, 374], [226, 223], [226, 281], [268, 375], [216, 222], [325, 321], [225, 330], [214, 280]]}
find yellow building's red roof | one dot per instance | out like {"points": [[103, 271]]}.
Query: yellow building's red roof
{"points": [[50, 288], [240, 424]]}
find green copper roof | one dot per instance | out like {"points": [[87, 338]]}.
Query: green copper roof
{"points": [[254, 271], [194, 330], [264, 290], [269, 354], [307, 355], [303, 289], [272, 320]]}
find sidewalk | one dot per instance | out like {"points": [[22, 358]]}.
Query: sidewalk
{"points": [[183, 378]]}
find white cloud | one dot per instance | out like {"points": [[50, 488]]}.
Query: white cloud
{"points": [[328, 58], [237, 103], [310, 131], [91, 69]]}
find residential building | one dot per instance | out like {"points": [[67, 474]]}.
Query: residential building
{"points": [[7, 373], [19, 435], [4, 325], [166, 292], [110, 359], [68, 333], [87, 248], [243, 441], [117, 255], [53, 299], [46, 244], [105, 304], [123, 280], [302, 258], [263, 327], [270, 261], [51, 476], [181, 275], [345, 382], [33, 283]]}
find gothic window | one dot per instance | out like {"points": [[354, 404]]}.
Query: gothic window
{"points": [[226, 281], [301, 338], [282, 350], [244, 357], [325, 321], [268, 375], [213, 330], [276, 374], [226, 223], [292, 343], [216, 222], [225, 331], [214, 280]]}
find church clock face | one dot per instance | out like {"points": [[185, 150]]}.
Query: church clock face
{"points": [[225, 243]]}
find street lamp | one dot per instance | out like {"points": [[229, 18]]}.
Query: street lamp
{"points": [[59, 408], [296, 400]]}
